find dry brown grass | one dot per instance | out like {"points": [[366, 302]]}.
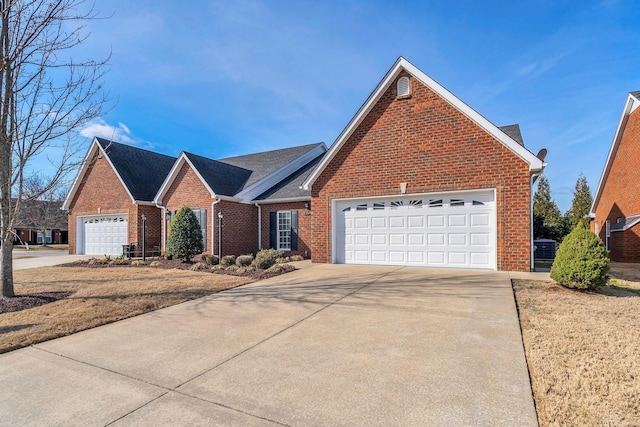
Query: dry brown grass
{"points": [[100, 296], [583, 351]]}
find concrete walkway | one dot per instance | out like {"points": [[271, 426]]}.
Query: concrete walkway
{"points": [[34, 259], [325, 345]]}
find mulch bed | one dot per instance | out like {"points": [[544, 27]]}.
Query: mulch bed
{"points": [[23, 302]]}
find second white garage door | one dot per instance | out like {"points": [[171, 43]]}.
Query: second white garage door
{"points": [[104, 235], [438, 230]]}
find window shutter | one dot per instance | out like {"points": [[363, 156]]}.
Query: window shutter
{"points": [[203, 226], [273, 229], [294, 230]]}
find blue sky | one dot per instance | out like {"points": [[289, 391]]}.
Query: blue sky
{"points": [[228, 78]]}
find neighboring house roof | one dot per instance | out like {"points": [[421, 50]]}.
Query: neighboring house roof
{"points": [[291, 188], [140, 171], [243, 178], [267, 162], [513, 131], [631, 104], [142, 182], [626, 224], [222, 178], [535, 164]]}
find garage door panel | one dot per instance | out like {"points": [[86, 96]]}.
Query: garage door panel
{"points": [[104, 235], [443, 230]]}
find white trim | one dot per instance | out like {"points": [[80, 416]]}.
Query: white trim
{"points": [[607, 235], [259, 225], [284, 200], [334, 202], [535, 164], [140, 202], [631, 104]]}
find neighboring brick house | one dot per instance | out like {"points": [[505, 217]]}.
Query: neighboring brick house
{"points": [[416, 178], [419, 178], [615, 212], [118, 184]]}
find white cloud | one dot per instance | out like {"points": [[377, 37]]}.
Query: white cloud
{"points": [[100, 128]]}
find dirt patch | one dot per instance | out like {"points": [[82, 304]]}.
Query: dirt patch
{"points": [[583, 352], [24, 302], [99, 296]]}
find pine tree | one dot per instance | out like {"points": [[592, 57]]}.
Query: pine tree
{"points": [[547, 219], [581, 204], [185, 235]]}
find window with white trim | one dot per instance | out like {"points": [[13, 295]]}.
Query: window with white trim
{"points": [[284, 230], [607, 233], [597, 228]]}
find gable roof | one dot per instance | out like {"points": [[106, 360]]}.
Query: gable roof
{"points": [[222, 178], [142, 182], [513, 131], [141, 172], [243, 177], [291, 188], [535, 164], [630, 105], [626, 223], [265, 163]]}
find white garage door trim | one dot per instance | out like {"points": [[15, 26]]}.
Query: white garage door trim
{"points": [[452, 229], [112, 230]]}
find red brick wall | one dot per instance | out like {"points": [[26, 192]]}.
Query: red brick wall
{"points": [[620, 196], [304, 226], [424, 141], [100, 192], [240, 222]]}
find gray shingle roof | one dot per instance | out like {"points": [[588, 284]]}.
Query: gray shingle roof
{"points": [[513, 131], [636, 94], [265, 163], [142, 171], [628, 221], [290, 187], [223, 178]]}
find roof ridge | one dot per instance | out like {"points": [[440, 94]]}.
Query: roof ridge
{"points": [[315, 144], [109, 142], [209, 159]]}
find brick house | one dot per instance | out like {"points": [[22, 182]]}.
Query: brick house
{"points": [[416, 178], [119, 186], [615, 212]]}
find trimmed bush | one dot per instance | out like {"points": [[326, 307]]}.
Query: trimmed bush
{"points": [[199, 266], [244, 260], [228, 260], [138, 262], [581, 261], [280, 268], [266, 258], [185, 235], [155, 264], [297, 258], [210, 259]]}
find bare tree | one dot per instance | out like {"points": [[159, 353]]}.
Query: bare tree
{"points": [[45, 98], [45, 212]]}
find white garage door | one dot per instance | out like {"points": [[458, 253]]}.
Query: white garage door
{"points": [[105, 235], [437, 230]]}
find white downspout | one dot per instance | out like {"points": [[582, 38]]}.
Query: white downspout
{"points": [[532, 261], [164, 230], [259, 226], [213, 225]]}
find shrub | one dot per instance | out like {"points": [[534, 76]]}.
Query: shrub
{"points": [[266, 258], [244, 260], [120, 260], [297, 258], [138, 262], [199, 266], [219, 267], [185, 235], [581, 261], [280, 268], [210, 259], [247, 269], [155, 264], [282, 260], [228, 260]]}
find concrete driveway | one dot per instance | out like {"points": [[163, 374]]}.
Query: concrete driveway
{"points": [[43, 258], [325, 345]]}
